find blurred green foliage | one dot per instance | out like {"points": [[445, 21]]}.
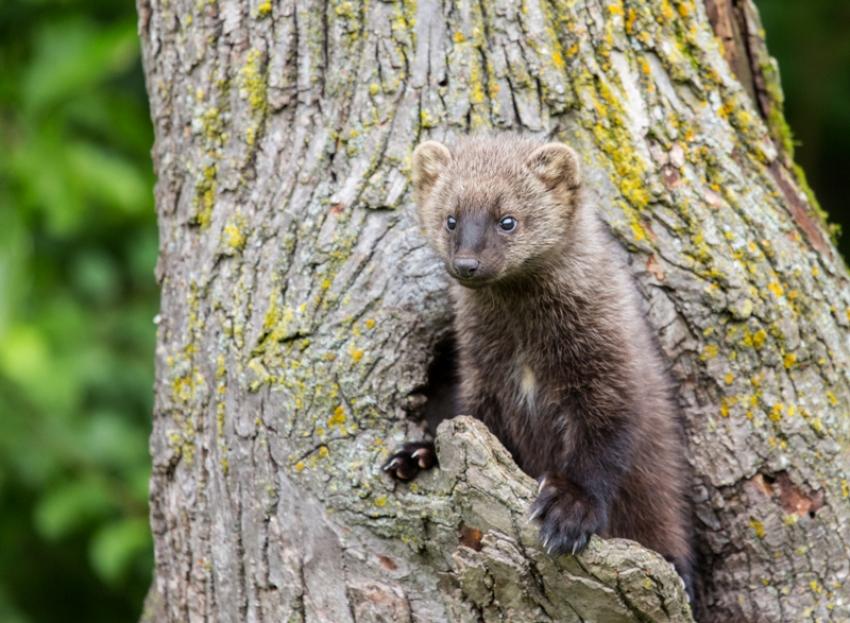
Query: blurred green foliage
{"points": [[811, 41], [77, 295], [77, 298]]}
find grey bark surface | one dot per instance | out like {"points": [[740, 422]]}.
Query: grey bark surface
{"points": [[301, 309]]}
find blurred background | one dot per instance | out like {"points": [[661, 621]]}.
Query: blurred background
{"points": [[77, 294], [77, 249]]}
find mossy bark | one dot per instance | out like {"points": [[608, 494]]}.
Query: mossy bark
{"points": [[301, 309]]}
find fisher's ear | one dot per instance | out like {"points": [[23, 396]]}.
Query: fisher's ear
{"points": [[555, 165], [430, 159]]}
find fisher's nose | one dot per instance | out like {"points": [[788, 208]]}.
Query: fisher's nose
{"points": [[466, 266]]}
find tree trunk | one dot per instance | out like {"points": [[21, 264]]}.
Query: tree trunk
{"points": [[301, 310]]}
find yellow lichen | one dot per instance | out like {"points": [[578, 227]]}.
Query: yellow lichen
{"points": [[212, 125], [234, 237], [205, 191], [426, 120], [476, 87], [709, 352], [253, 81], [346, 10], [272, 314], [338, 417], [758, 527], [558, 59], [789, 360], [776, 288], [183, 388], [638, 231]]}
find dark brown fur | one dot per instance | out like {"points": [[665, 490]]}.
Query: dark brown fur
{"points": [[555, 355]]}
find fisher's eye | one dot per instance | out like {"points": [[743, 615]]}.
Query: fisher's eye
{"points": [[508, 223], [451, 223]]}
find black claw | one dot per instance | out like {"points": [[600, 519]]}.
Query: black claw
{"points": [[566, 515], [412, 458]]}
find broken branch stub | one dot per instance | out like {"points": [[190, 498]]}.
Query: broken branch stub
{"points": [[500, 566]]}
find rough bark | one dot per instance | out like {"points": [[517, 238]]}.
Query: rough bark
{"points": [[301, 310]]}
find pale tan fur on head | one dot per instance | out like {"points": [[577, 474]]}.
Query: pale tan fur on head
{"points": [[480, 181], [556, 165]]}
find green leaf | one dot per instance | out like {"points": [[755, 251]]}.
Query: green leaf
{"points": [[71, 505], [96, 277], [109, 178], [9, 613], [72, 56], [47, 379], [24, 354], [47, 184], [77, 250], [110, 440], [115, 547]]}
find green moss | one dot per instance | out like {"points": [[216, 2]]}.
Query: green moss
{"points": [[780, 130]]}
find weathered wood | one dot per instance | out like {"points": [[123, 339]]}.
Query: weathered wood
{"points": [[301, 309]]}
